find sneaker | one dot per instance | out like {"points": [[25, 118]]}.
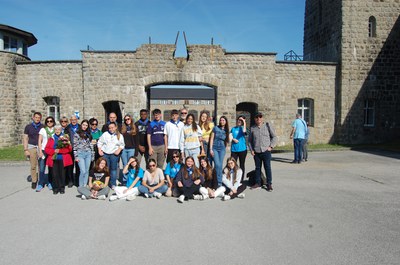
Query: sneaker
{"points": [[33, 185], [269, 187], [226, 198], [181, 198], [83, 197], [157, 194], [241, 195], [49, 186], [146, 195], [197, 197], [205, 197], [113, 198], [70, 184], [255, 187], [39, 188], [101, 197], [131, 197]]}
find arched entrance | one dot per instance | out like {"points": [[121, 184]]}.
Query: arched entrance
{"points": [[247, 109], [114, 106], [194, 97]]}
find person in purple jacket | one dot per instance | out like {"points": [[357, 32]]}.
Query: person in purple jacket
{"points": [[189, 180], [155, 138]]}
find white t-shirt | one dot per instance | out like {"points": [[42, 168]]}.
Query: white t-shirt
{"points": [[45, 137], [173, 132]]}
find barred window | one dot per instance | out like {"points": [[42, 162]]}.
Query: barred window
{"points": [[305, 107], [369, 113], [372, 27]]}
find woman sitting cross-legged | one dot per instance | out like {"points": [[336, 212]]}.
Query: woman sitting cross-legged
{"points": [[134, 179], [188, 181], [231, 178], [153, 183], [171, 171], [210, 179], [98, 182]]}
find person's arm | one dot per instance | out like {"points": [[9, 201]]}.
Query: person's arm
{"points": [[225, 180], [239, 175], [165, 144], [106, 181], [25, 142], [182, 142], [211, 143], [121, 145], [151, 151], [40, 142], [100, 144], [251, 143], [90, 183], [161, 178], [178, 179]]}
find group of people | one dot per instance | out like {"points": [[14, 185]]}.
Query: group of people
{"points": [[184, 158]]}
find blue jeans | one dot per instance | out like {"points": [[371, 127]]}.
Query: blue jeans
{"points": [[85, 158], [43, 178], [193, 153], [265, 158], [161, 190], [125, 155], [298, 149], [219, 154], [112, 163], [207, 152]]}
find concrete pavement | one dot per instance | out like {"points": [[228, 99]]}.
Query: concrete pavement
{"points": [[340, 207]]}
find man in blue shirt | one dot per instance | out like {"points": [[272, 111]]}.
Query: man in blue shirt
{"points": [[155, 138], [298, 134]]}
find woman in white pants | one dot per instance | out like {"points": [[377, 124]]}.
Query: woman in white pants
{"points": [[134, 179], [231, 180]]}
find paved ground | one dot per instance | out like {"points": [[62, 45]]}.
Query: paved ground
{"points": [[340, 207]]}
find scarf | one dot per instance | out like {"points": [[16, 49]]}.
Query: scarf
{"points": [[144, 123], [94, 131], [74, 127], [175, 122], [36, 125]]}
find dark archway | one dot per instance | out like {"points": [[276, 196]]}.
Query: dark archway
{"points": [[113, 106], [247, 109]]}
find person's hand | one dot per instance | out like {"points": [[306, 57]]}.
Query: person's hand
{"points": [[230, 193], [101, 153], [117, 152], [40, 153], [180, 185], [26, 152], [212, 153], [151, 151], [56, 151], [77, 159], [235, 140], [269, 149], [233, 190], [253, 153], [151, 190]]}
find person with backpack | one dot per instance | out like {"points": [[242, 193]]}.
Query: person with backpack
{"points": [[262, 139]]}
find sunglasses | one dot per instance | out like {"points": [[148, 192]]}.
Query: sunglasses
{"points": [[64, 121], [175, 156], [127, 119], [258, 117], [152, 165], [93, 124], [48, 121]]}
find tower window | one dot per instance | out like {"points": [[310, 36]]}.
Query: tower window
{"points": [[372, 27], [369, 113]]}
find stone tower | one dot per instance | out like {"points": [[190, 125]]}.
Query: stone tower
{"points": [[362, 36]]}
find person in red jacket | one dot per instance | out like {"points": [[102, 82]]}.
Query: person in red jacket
{"points": [[58, 149]]}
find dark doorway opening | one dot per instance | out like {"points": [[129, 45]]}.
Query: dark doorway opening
{"points": [[247, 109], [113, 106]]}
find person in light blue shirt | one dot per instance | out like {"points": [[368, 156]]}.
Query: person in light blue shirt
{"points": [[239, 146], [298, 134], [171, 171]]}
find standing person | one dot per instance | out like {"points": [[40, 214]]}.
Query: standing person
{"points": [[218, 141], [71, 130], [206, 127], [58, 150], [305, 146], [172, 131], [44, 134], [238, 145], [110, 145], [96, 133], [262, 140], [30, 141], [156, 139], [232, 180], [210, 184], [131, 139], [298, 134], [153, 183], [170, 172], [134, 180], [188, 181], [191, 143], [83, 152], [142, 125], [112, 117], [97, 187], [184, 113]]}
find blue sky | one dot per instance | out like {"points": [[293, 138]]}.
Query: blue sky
{"points": [[64, 27]]}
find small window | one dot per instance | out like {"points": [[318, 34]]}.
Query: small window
{"points": [[372, 27], [53, 107], [10, 44], [369, 113], [305, 107]]}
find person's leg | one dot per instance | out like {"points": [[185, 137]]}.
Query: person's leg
{"points": [[144, 190], [84, 158], [189, 191], [239, 190], [257, 162], [220, 192], [62, 176], [84, 191], [160, 156], [195, 152], [43, 178], [242, 158], [162, 189], [305, 150], [33, 159], [113, 169], [56, 176], [297, 147], [266, 158], [218, 165], [104, 191]]}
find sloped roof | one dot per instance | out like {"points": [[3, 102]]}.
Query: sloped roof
{"points": [[29, 38]]}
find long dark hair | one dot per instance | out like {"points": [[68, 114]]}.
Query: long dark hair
{"points": [[177, 153], [208, 170], [227, 169], [137, 168], [206, 124], [226, 129], [196, 171], [124, 127], [194, 124], [85, 134]]}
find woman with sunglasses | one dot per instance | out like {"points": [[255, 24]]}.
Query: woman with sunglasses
{"points": [[188, 181], [96, 134], [171, 171], [153, 182], [231, 179], [44, 134], [131, 139], [134, 179]]}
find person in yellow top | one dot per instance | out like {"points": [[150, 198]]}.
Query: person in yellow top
{"points": [[206, 126]]}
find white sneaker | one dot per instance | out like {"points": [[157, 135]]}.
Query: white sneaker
{"points": [[131, 197], [241, 195], [146, 195], [157, 194], [113, 198], [197, 197], [181, 198], [101, 197], [205, 197], [83, 197], [227, 198]]}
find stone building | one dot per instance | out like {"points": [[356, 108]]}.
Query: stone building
{"points": [[347, 87]]}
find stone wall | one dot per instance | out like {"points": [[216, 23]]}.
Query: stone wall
{"points": [[8, 88]]}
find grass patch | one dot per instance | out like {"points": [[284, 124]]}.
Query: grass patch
{"points": [[13, 153], [314, 147]]}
